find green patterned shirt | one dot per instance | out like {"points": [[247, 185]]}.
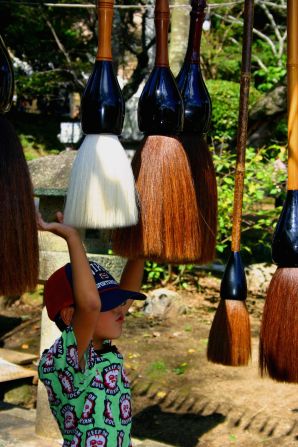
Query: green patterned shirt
{"points": [[92, 407]]}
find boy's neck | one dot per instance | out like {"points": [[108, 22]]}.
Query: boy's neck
{"points": [[97, 343]]}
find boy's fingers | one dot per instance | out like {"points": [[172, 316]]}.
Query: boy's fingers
{"points": [[39, 219], [59, 216]]}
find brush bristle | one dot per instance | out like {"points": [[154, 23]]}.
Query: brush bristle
{"points": [[204, 177], [101, 192], [19, 240], [168, 230], [278, 350], [230, 339]]}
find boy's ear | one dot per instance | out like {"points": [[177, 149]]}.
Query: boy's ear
{"points": [[66, 314]]}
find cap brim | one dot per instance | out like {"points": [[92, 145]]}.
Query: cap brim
{"points": [[114, 297]]}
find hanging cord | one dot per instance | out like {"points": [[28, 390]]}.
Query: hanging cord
{"points": [[143, 7]]}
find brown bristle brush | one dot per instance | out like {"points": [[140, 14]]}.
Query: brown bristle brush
{"points": [[18, 229], [230, 338], [168, 230], [278, 350], [197, 116]]}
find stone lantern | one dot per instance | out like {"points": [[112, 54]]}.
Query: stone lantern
{"points": [[50, 176]]}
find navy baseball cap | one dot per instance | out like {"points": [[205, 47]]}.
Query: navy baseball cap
{"points": [[58, 291]]}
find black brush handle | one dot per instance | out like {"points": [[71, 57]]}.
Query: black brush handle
{"points": [[233, 285], [160, 108], [102, 105], [285, 239], [6, 79], [196, 99], [197, 16]]}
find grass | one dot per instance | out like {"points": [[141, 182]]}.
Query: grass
{"points": [[157, 369], [38, 133]]}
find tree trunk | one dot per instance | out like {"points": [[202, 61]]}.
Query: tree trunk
{"points": [[179, 35]]}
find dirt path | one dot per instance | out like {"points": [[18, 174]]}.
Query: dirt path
{"points": [[183, 400]]}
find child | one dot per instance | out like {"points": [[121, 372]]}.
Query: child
{"points": [[83, 373]]}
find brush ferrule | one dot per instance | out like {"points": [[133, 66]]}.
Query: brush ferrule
{"points": [[285, 239], [233, 285]]}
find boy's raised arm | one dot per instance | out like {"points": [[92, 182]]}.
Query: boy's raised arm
{"points": [[86, 297], [132, 276]]}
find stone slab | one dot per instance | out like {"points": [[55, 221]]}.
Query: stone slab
{"points": [[9, 371], [49, 261], [17, 357], [17, 429]]}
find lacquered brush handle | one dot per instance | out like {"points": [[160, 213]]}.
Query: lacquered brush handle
{"points": [[233, 285], [160, 107], [162, 21], [242, 123], [285, 239], [292, 71], [196, 99], [197, 16], [102, 105], [105, 22], [6, 79]]}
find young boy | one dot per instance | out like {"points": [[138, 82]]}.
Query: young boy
{"points": [[83, 373]]}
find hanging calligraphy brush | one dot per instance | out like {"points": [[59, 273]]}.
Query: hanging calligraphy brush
{"points": [[101, 192], [19, 243], [230, 339], [197, 115], [168, 230], [6, 79], [278, 353]]}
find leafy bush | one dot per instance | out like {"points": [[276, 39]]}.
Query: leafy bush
{"points": [[264, 183], [269, 78], [225, 107]]}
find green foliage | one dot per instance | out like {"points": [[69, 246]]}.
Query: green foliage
{"points": [[269, 78], [180, 276], [225, 107], [38, 135], [157, 369], [154, 272], [264, 182], [181, 368]]}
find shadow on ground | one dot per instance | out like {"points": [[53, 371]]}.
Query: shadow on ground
{"points": [[181, 430], [8, 323]]}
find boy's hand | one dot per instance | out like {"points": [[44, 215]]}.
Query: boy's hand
{"points": [[58, 228]]}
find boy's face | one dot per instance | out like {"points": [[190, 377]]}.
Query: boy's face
{"points": [[109, 324]]}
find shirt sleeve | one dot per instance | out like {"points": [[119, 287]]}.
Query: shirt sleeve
{"points": [[63, 354]]}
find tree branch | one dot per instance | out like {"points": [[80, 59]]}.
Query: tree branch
{"points": [[61, 47], [231, 19], [260, 63]]}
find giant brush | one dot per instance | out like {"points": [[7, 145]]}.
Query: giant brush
{"points": [[19, 243], [169, 229], [278, 354], [229, 339], [197, 115], [101, 191]]}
